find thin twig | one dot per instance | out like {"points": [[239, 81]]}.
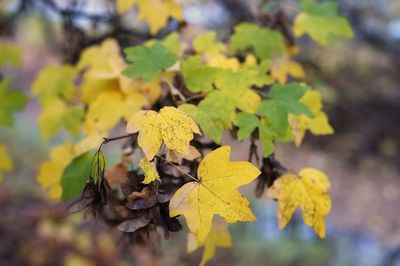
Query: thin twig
{"points": [[107, 140]]}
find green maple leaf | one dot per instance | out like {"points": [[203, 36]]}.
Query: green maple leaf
{"points": [[172, 42], [283, 100], [246, 123], [211, 126], [249, 75], [148, 62], [198, 78], [221, 105], [265, 42], [75, 176], [10, 102], [321, 21], [266, 137]]}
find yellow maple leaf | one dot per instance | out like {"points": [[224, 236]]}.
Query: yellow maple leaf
{"points": [[207, 43], [6, 163], [214, 192], [318, 125], [97, 57], [5, 160], [150, 90], [150, 171], [170, 125], [91, 87], [157, 12], [283, 67], [213, 52], [109, 108], [56, 115], [224, 62], [105, 65], [219, 236], [308, 191], [50, 172], [176, 157], [249, 101]]}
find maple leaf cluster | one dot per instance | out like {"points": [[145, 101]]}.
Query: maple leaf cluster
{"points": [[178, 96]]}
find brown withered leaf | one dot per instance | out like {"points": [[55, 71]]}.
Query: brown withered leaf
{"points": [[166, 196], [142, 203], [139, 195], [158, 221], [94, 197], [117, 175], [133, 184], [134, 224], [122, 211]]}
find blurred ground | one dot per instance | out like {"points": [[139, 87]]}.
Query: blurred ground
{"points": [[359, 80]]}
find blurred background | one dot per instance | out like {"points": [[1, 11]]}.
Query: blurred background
{"points": [[360, 83]]}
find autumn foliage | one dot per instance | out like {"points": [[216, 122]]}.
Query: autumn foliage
{"points": [[177, 97]]}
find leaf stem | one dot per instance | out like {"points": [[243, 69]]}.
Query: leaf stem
{"points": [[179, 169]]}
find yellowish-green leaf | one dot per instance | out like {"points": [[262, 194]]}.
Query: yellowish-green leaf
{"points": [[10, 101], [170, 125], [6, 163], [54, 82], [198, 78], [224, 62], [215, 192], [308, 191], [10, 55], [265, 42], [248, 101], [240, 81], [149, 170], [221, 105], [211, 126], [57, 115], [284, 67], [318, 124], [321, 22], [50, 172], [207, 43]]}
